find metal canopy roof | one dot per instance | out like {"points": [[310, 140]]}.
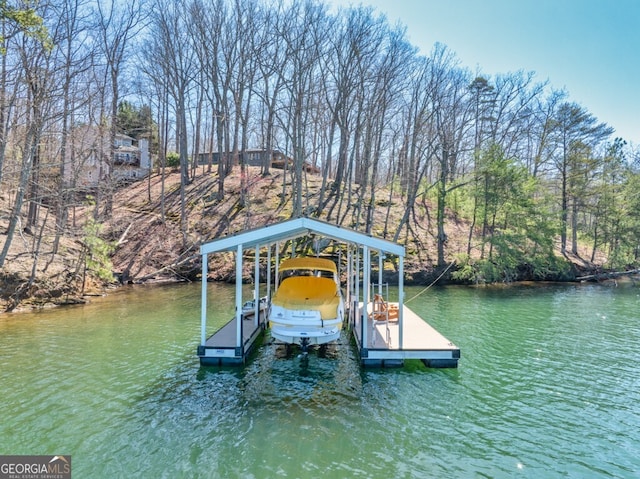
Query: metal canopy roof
{"points": [[294, 228]]}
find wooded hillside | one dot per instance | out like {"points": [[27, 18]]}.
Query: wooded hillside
{"points": [[142, 240]]}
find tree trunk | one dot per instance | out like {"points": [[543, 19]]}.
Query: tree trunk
{"points": [[442, 195], [574, 227], [25, 173], [184, 167], [564, 216]]}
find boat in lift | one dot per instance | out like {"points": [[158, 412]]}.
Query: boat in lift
{"points": [[307, 307]]}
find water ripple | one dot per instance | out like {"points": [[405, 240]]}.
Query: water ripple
{"points": [[548, 386]]}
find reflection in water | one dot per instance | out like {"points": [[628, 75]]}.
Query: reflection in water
{"points": [[547, 387]]}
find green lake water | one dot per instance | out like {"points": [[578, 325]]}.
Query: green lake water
{"points": [[548, 387]]}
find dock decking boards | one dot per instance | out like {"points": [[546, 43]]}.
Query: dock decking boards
{"points": [[420, 341], [220, 348]]}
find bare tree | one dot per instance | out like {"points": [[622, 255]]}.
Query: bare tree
{"points": [[10, 77], [542, 128], [74, 60], [361, 43], [271, 61], [34, 62], [209, 21], [171, 48], [389, 83], [345, 67], [247, 24], [453, 124], [417, 143], [117, 24], [304, 35]]}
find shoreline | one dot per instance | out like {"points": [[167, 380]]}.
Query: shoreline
{"points": [[28, 305]]}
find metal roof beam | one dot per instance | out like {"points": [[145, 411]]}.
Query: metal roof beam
{"points": [[294, 228]]}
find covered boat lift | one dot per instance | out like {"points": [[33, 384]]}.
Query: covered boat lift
{"points": [[380, 342]]}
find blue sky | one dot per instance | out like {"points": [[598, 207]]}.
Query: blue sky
{"points": [[591, 48]]}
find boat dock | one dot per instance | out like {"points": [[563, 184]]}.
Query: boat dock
{"points": [[383, 349], [221, 348], [386, 347], [383, 340]]}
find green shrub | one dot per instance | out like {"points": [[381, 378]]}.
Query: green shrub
{"points": [[173, 160], [98, 252]]}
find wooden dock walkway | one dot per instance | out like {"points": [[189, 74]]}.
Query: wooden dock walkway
{"points": [[420, 340], [220, 348]]}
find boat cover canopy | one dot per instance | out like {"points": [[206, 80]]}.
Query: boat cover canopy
{"points": [[308, 293]]}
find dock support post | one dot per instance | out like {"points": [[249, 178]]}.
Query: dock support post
{"points": [[366, 272], [269, 274], [357, 314], [349, 283], [400, 302], [239, 297], [256, 291], [380, 266], [277, 265], [203, 301]]}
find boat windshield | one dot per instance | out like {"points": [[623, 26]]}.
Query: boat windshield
{"points": [[319, 267], [307, 272]]}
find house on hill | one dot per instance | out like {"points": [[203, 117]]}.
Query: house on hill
{"points": [[255, 157], [131, 162], [86, 159]]}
